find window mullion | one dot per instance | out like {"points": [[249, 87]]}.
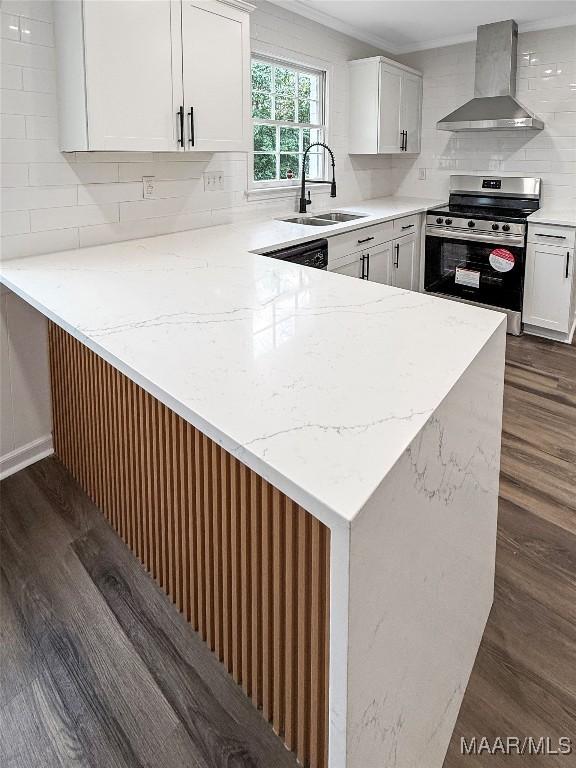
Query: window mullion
{"points": [[278, 152]]}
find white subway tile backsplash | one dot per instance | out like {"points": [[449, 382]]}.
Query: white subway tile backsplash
{"points": [[182, 169], [36, 32], [130, 230], [73, 216], [27, 103], [15, 223], [28, 198], [45, 174], [10, 26], [12, 126], [38, 127], [30, 151], [31, 9], [39, 80], [110, 193], [31, 244], [148, 209], [13, 175], [24, 55], [11, 77]]}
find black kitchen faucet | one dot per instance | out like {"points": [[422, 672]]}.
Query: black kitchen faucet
{"points": [[305, 201]]}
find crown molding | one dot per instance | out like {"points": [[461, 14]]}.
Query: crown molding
{"points": [[531, 26], [303, 9]]}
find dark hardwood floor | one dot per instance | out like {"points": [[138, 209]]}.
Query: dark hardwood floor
{"points": [[98, 669], [524, 680]]}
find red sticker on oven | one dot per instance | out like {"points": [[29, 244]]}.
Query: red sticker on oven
{"points": [[502, 260]]}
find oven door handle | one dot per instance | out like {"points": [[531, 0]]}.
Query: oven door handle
{"points": [[476, 237]]}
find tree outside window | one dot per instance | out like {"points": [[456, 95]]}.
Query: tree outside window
{"points": [[288, 116]]}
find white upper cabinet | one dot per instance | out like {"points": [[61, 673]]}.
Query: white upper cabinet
{"points": [[130, 79], [385, 107], [216, 88], [389, 135], [411, 111], [152, 76]]}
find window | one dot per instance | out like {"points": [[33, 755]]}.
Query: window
{"points": [[288, 115]]}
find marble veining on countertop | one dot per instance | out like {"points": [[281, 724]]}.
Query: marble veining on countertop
{"points": [[552, 214], [317, 381]]}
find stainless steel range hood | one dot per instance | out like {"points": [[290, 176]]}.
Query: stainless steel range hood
{"points": [[494, 106]]}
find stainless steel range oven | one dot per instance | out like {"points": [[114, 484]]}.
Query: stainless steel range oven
{"points": [[475, 248]]}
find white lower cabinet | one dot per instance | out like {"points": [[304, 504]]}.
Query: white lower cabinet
{"points": [[404, 263], [548, 287], [378, 264], [394, 262], [353, 267]]}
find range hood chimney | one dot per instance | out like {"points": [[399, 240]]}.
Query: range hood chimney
{"points": [[494, 106]]}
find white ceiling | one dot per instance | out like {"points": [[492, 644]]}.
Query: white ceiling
{"points": [[400, 26]]}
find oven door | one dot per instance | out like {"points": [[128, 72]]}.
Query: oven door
{"points": [[483, 268]]}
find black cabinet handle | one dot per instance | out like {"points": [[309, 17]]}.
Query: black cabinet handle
{"points": [[553, 237], [368, 267], [397, 255], [567, 262], [365, 240], [404, 144], [401, 141], [407, 226], [191, 116], [180, 116]]}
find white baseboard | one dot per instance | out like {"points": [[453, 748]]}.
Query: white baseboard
{"points": [[545, 333], [28, 454]]}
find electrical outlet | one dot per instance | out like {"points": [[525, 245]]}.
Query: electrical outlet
{"points": [[149, 187], [213, 182], [422, 174]]}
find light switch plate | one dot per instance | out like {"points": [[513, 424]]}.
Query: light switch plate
{"points": [[422, 174], [214, 181]]}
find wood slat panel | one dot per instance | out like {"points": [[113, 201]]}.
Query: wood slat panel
{"points": [[247, 566]]}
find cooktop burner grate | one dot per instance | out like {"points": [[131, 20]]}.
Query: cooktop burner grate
{"points": [[481, 212]]}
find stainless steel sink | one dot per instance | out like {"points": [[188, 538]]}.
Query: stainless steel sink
{"points": [[335, 216], [325, 219], [310, 221]]}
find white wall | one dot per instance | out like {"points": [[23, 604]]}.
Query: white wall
{"points": [[25, 418], [54, 201], [546, 85]]}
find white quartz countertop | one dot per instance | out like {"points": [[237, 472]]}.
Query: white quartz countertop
{"points": [[317, 381], [549, 214]]}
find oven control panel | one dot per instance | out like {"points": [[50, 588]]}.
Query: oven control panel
{"points": [[450, 221], [491, 183]]}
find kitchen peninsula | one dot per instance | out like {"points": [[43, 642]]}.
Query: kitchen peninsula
{"points": [[307, 464]]}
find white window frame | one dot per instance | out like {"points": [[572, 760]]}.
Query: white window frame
{"points": [[321, 126]]}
